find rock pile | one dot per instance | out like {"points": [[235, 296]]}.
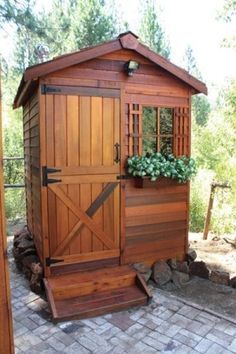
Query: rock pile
{"points": [[173, 274], [27, 260]]}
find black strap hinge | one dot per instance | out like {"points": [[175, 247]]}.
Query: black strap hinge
{"points": [[50, 261], [49, 89], [45, 171]]}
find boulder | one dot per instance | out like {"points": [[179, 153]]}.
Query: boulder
{"points": [[161, 273], [179, 278], [191, 255], [172, 263], [182, 267], [233, 282], [200, 269], [219, 277], [144, 270]]}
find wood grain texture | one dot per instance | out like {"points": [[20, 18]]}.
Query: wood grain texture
{"points": [[6, 329]]}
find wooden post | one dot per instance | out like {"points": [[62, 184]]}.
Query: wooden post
{"points": [[214, 185], [6, 330]]}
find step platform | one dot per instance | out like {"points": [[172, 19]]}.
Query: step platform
{"points": [[88, 294]]}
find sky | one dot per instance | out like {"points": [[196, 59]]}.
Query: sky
{"points": [[185, 22]]}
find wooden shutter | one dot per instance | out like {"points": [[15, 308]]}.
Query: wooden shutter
{"points": [[181, 131], [134, 129]]}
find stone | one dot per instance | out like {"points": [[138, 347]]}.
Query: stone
{"points": [[182, 267], [219, 277], [36, 268], [25, 244], [161, 273], [144, 270], [172, 263], [233, 282], [179, 278], [191, 255], [199, 269]]}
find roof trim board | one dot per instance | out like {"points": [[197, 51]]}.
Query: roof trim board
{"points": [[127, 40]]}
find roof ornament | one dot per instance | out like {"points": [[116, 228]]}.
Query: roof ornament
{"points": [[42, 52]]}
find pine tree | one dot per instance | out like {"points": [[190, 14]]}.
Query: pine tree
{"points": [[200, 104], [93, 23], [151, 32]]}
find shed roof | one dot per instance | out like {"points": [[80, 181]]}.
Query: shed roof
{"points": [[127, 40]]}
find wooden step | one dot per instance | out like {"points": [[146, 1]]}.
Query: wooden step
{"points": [[87, 294]]}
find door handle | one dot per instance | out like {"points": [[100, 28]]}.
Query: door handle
{"points": [[117, 153]]}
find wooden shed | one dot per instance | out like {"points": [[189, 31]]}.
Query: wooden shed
{"points": [[84, 113]]}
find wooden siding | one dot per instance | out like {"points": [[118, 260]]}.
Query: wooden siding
{"points": [[76, 137], [155, 221], [32, 169]]}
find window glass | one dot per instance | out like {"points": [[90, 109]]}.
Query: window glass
{"points": [[157, 127], [149, 129], [166, 121]]}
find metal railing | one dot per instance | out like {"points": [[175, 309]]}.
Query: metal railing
{"points": [[17, 185]]}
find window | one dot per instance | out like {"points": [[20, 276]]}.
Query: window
{"points": [[151, 129], [157, 130]]}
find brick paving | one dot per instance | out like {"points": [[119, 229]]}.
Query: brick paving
{"points": [[167, 325]]}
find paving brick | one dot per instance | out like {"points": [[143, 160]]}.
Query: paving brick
{"points": [[121, 320], [231, 330], [220, 338], [190, 335], [55, 343], [41, 348], [153, 343], [232, 346], [169, 330], [199, 328], [76, 348], [160, 337], [204, 345], [64, 338], [188, 311], [138, 331], [26, 341], [141, 348], [180, 320], [215, 349]]}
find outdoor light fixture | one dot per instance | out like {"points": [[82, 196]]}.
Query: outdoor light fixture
{"points": [[130, 66]]}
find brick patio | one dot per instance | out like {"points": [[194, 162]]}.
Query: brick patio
{"points": [[168, 325]]}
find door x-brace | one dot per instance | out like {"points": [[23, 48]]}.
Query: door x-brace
{"points": [[85, 217]]}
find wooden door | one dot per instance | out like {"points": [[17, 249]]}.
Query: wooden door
{"points": [[83, 195]]}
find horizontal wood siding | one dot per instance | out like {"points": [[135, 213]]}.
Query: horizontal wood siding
{"points": [[32, 169], [155, 221]]}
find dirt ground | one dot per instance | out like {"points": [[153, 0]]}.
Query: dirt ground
{"points": [[219, 252], [218, 255]]}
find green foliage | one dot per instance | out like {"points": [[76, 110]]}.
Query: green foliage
{"points": [[200, 105], [94, 23], [214, 150], [157, 165], [151, 32], [15, 204]]}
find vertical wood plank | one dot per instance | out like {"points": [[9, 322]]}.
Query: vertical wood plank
{"points": [[73, 160], [96, 131], [60, 131], [60, 126], [108, 131], [85, 131], [85, 201], [44, 193], [98, 217]]}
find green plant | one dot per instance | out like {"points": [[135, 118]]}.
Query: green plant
{"points": [[158, 165]]}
